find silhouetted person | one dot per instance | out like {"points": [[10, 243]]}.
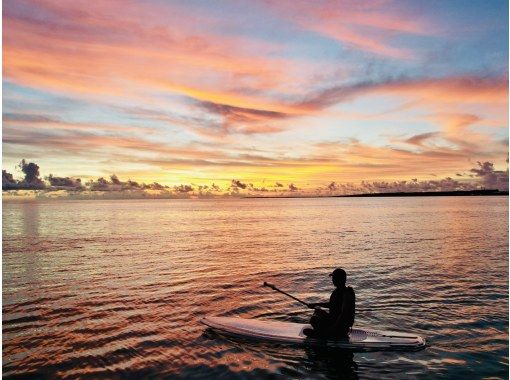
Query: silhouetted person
{"points": [[342, 305]]}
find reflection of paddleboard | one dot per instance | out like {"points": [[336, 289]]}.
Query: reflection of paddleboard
{"points": [[292, 333]]}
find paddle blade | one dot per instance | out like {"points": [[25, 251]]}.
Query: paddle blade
{"points": [[268, 285]]}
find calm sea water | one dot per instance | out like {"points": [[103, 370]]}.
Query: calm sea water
{"points": [[117, 288]]}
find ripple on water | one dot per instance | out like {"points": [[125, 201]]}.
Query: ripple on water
{"points": [[121, 294]]}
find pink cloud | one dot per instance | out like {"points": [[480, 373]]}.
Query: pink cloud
{"points": [[130, 50]]}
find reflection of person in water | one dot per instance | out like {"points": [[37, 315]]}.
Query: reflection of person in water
{"points": [[342, 305], [331, 362]]}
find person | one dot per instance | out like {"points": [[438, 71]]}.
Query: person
{"points": [[342, 306]]}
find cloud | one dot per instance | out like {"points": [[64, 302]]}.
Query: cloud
{"points": [[100, 184], [369, 27], [31, 171], [10, 117], [53, 53], [332, 186], [445, 184], [183, 188], [65, 183], [336, 94], [115, 180], [77, 141], [236, 185], [484, 176], [468, 89], [155, 186], [204, 65], [199, 78], [8, 181], [420, 138], [41, 122], [208, 191], [491, 179], [454, 147], [399, 159], [457, 124], [242, 114], [31, 181], [115, 184]]}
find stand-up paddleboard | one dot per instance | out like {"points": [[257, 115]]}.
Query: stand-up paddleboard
{"points": [[292, 333]]}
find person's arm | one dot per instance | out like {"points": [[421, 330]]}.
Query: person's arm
{"points": [[318, 304]]}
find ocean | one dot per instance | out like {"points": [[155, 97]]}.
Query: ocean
{"points": [[116, 288]]}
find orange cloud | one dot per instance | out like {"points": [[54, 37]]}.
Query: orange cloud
{"points": [[43, 122], [459, 89], [82, 52]]}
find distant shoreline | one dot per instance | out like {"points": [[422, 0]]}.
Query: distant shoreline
{"points": [[129, 196], [460, 193]]}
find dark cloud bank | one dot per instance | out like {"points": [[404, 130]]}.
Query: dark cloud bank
{"points": [[30, 182], [483, 176]]}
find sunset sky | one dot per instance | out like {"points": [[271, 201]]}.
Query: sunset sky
{"points": [[302, 92]]}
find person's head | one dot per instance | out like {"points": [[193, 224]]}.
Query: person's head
{"points": [[339, 277]]}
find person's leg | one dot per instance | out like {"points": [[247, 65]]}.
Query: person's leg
{"points": [[323, 327], [341, 333], [320, 322]]}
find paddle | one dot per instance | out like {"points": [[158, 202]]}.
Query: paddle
{"points": [[308, 306], [287, 294]]}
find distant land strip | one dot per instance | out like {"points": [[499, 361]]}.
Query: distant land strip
{"points": [[400, 194]]}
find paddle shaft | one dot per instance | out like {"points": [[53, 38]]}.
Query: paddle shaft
{"points": [[287, 294]]}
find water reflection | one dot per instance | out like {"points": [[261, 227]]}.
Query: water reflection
{"points": [[30, 216], [24, 271], [117, 289], [335, 363]]}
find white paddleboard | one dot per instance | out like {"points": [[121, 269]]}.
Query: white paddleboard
{"points": [[292, 333]]}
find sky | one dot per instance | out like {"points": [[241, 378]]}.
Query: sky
{"points": [[301, 93]]}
